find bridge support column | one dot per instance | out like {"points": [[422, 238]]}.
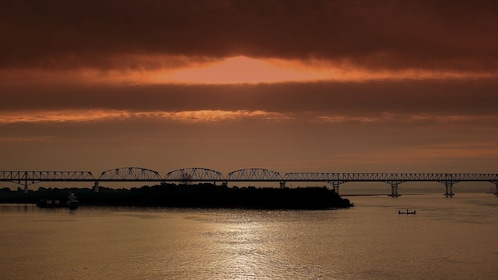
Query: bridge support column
{"points": [[282, 184], [96, 186], [496, 192], [335, 186], [394, 190], [25, 186], [449, 190]]}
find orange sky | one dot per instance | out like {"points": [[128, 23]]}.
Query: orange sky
{"points": [[326, 87]]}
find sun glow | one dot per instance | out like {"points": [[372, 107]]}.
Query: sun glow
{"points": [[240, 70]]}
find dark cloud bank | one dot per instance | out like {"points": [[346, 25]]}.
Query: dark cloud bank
{"points": [[455, 35]]}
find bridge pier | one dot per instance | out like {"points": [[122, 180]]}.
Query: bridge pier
{"points": [[96, 186], [496, 192], [394, 190], [449, 189], [335, 186], [282, 184], [25, 186]]}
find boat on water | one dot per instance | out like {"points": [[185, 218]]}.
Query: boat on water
{"points": [[407, 212], [71, 203]]}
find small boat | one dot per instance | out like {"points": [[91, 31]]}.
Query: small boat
{"points": [[72, 201], [407, 212]]}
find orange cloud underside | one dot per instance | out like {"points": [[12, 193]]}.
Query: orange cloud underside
{"points": [[242, 69], [99, 115], [205, 116], [231, 70]]}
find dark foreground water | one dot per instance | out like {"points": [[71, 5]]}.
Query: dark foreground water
{"points": [[447, 239]]}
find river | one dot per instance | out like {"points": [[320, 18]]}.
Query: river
{"points": [[447, 239]]}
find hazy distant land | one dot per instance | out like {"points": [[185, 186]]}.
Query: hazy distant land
{"points": [[190, 196]]}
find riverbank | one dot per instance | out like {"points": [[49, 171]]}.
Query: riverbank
{"points": [[192, 196]]}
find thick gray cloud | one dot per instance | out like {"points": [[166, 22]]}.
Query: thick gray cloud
{"points": [[383, 34]]}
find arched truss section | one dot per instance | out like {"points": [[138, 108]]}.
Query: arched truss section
{"points": [[254, 174], [130, 174], [193, 174]]}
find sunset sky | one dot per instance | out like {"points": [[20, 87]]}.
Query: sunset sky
{"points": [[322, 86]]}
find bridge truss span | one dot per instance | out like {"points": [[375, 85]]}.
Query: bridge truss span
{"points": [[394, 179], [130, 174], [386, 177], [344, 177], [310, 176], [27, 178], [49, 176], [194, 174], [254, 174]]}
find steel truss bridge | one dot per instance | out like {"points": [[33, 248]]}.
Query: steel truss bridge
{"points": [[199, 175]]}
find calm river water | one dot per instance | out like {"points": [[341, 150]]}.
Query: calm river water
{"points": [[448, 239]]}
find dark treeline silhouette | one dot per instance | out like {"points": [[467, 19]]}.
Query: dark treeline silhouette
{"points": [[190, 196]]}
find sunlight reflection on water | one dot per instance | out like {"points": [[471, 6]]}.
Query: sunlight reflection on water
{"points": [[448, 238]]}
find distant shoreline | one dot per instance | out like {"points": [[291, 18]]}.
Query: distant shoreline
{"points": [[193, 196]]}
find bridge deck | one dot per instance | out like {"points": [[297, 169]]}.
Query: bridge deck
{"points": [[134, 174]]}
